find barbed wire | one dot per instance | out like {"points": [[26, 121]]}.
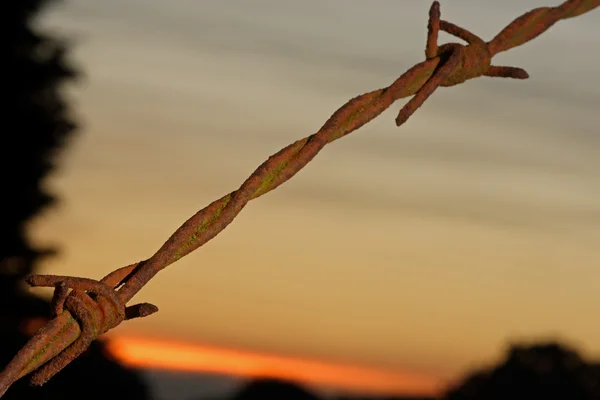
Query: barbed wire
{"points": [[92, 307]]}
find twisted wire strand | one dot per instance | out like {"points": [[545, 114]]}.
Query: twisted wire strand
{"points": [[93, 307], [535, 22], [78, 320], [208, 222]]}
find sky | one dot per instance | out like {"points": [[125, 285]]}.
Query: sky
{"points": [[423, 249]]}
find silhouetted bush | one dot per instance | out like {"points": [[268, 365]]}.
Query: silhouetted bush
{"points": [[541, 371]]}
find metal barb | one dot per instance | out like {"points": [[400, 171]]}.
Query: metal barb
{"points": [[80, 316], [460, 62], [93, 307]]}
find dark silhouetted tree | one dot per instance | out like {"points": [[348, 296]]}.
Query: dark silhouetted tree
{"points": [[543, 371], [36, 125]]}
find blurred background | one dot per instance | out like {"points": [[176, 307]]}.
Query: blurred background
{"points": [[399, 261]]}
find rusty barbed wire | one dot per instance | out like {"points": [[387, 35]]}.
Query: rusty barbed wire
{"points": [[92, 307]]}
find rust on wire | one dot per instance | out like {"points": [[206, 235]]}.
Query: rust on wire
{"points": [[92, 307], [80, 316]]}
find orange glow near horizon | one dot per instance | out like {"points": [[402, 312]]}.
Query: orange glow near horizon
{"points": [[171, 355]]}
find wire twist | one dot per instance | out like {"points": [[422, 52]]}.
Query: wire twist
{"points": [[448, 65], [92, 306]]}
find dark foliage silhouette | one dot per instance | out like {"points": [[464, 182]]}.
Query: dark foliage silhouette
{"points": [[541, 371], [36, 125], [268, 388]]}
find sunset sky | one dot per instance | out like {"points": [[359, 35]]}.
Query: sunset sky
{"points": [[423, 249]]}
